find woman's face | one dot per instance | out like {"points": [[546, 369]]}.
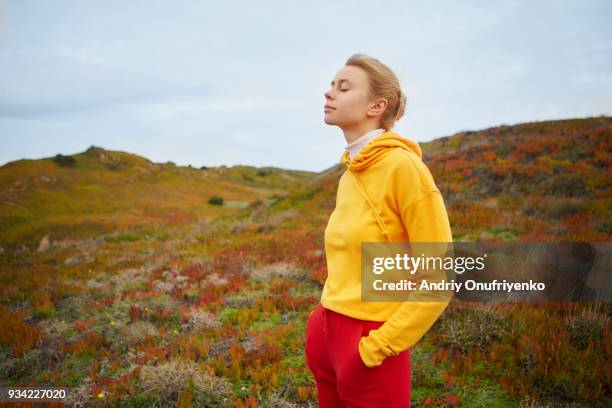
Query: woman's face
{"points": [[347, 102]]}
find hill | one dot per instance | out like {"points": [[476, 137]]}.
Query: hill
{"points": [[99, 191], [143, 293], [537, 181]]}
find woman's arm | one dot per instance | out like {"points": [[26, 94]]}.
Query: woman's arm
{"points": [[425, 220]]}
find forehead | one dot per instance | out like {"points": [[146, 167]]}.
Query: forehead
{"points": [[352, 74]]}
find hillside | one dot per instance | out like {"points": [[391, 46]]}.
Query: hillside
{"points": [[141, 285], [538, 181], [535, 180], [100, 191]]}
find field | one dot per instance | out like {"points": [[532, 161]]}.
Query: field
{"points": [[129, 283]]}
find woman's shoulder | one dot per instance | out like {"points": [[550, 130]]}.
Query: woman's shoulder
{"points": [[406, 161], [407, 168]]}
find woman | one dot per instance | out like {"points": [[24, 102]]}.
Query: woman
{"points": [[359, 352]]}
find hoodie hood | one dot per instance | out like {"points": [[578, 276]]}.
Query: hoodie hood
{"points": [[375, 150]]}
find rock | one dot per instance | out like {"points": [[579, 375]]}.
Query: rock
{"points": [[94, 284], [221, 347], [162, 286], [73, 260], [44, 244], [250, 345], [77, 259], [215, 279]]}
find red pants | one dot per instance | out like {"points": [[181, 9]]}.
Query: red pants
{"points": [[343, 380]]}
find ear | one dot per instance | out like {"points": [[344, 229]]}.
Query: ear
{"points": [[378, 107]]}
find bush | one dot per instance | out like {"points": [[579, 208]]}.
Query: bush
{"points": [[126, 237], [565, 185], [561, 208], [605, 228], [465, 328], [64, 161], [215, 201], [256, 203], [168, 380]]}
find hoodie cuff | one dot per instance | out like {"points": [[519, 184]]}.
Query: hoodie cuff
{"points": [[373, 350]]}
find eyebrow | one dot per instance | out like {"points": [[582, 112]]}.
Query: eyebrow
{"points": [[342, 80]]}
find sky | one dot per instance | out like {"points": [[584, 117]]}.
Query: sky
{"points": [[207, 83]]}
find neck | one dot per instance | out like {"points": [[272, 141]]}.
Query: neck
{"points": [[354, 133]]}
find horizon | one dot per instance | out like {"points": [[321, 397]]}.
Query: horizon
{"points": [[284, 168]]}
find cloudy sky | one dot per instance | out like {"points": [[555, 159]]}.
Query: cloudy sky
{"points": [[242, 82]]}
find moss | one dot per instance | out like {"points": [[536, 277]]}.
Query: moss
{"points": [[229, 315], [126, 237], [74, 369], [294, 361], [267, 321]]}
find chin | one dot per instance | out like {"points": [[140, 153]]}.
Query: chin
{"points": [[329, 121]]}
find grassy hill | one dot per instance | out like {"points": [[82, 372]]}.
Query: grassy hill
{"points": [[534, 181], [100, 191], [144, 292], [538, 181]]}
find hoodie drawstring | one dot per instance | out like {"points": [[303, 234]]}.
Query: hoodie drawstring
{"points": [[378, 218]]}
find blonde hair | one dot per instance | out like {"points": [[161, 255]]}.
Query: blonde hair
{"points": [[383, 84]]}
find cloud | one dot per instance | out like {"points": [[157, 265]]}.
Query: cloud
{"points": [[243, 82]]}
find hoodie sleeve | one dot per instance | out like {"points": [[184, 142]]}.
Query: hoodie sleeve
{"points": [[426, 220]]}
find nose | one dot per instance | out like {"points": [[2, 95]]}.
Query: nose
{"points": [[328, 94]]}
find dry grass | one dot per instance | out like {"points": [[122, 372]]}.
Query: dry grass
{"points": [[280, 269], [200, 319], [166, 381]]}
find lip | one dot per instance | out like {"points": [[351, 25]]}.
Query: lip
{"points": [[327, 107]]}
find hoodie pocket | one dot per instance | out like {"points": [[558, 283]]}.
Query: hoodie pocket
{"points": [[369, 325]]}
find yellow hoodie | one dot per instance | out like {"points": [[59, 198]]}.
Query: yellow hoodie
{"points": [[386, 194]]}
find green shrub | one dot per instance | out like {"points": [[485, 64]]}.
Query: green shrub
{"points": [[561, 208], [566, 185], [64, 161], [126, 237], [468, 328], [215, 201], [605, 228]]}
